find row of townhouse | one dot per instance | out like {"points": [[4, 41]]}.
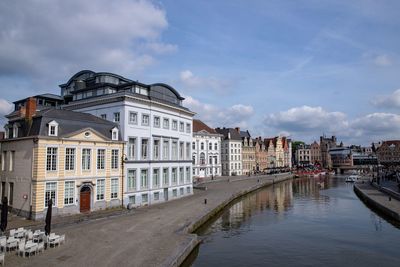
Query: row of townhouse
{"points": [[230, 151], [106, 141]]}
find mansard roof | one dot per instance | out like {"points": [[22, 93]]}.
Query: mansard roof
{"points": [[229, 133], [198, 126], [68, 122]]}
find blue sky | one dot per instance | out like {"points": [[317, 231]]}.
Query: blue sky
{"points": [[298, 68]]}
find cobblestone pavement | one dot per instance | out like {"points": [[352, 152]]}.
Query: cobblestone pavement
{"points": [[145, 237]]}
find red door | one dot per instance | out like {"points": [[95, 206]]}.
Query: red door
{"points": [[85, 199]]}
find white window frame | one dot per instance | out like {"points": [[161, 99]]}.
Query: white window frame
{"points": [[144, 180], [100, 189], [156, 178], [132, 148], [55, 125], [155, 119], [129, 186], [145, 122], [114, 159], [87, 165], [70, 158], [53, 165], [70, 194], [174, 125], [143, 149], [55, 194], [133, 118], [117, 117], [114, 190], [101, 160], [165, 123]]}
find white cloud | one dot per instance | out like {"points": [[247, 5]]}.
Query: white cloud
{"points": [[191, 81], [377, 125], [49, 37], [234, 116], [388, 101], [382, 61], [307, 119]]}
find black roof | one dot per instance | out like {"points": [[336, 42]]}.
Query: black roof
{"points": [[68, 121], [234, 135]]}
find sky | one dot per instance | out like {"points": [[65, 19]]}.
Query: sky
{"points": [[295, 68]]}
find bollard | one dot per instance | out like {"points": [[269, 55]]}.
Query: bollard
{"points": [[205, 201], [390, 198], [258, 180]]}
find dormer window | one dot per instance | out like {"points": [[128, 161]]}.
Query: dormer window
{"points": [[114, 134], [15, 130], [53, 128]]}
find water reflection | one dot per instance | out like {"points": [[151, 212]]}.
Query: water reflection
{"points": [[307, 221]]}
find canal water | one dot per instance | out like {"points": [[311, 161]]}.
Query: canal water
{"points": [[302, 222]]}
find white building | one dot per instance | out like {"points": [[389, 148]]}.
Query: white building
{"points": [[153, 123], [231, 151], [206, 149]]}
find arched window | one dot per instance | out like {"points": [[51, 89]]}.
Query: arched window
{"points": [[202, 159], [202, 146], [216, 146]]}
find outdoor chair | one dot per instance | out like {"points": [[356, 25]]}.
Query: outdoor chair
{"points": [[31, 249], [21, 249], [12, 243], [29, 235], [3, 243], [2, 258], [12, 232], [40, 247], [55, 242], [62, 239]]}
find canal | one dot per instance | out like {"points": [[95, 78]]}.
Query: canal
{"points": [[302, 222]]}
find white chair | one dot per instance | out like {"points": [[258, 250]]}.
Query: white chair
{"points": [[29, 235], [2, 258], [40, 247], [11, 243], [3, 243], [31, 249], [21, 249], [12, 232], [54, 242]]}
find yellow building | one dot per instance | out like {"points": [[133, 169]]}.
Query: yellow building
{"points": [[73, 158]]}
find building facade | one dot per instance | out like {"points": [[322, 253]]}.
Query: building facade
{"points": [[261, 154], [72, 158], [325, 145], [153, 122], [315, 152], [248, 153], [303, 155], [231, 151], [388, 153], [206, 151]]}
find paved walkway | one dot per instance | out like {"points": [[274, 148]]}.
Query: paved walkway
{"points": [[380, 200], [146, 237]]}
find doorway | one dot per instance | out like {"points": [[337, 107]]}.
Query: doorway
{"points": [[85, 197]]}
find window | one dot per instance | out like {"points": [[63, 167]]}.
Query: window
{"points": [[156, 149], [145, 120], [181, 191], [215, 146], [188, 190], [69, 159], [188, 130], [3, 162], [15, 130], [174, 176], [86, 159], [114, 188], [181, 175], [103, 116], [131, 180], [145, 198], [69, 192], [145, 145], [116, 117], [114, 158], [165, 177], [156, 122], [144, 179], [187, 174], [132, 117], [181, 126], [132, 199], [181, 150], [101, 159], [11, 193], [193, 159], [174, 193], [53, 131], [166, 150], [202, 159], [166, 123], [202, 146], [100, 189], [114, 135], [210, 160], [51, 163], [156, 178], [50, 193], [174, 125], [209, 146], [174, 150], [193, 145], [156, 196], [132, 148], [188, 151]]}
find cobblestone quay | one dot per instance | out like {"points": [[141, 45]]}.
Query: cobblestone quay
{"points": [[158, 235]]}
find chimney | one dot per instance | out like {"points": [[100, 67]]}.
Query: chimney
{"points": [[30, 107], [237, 129]]}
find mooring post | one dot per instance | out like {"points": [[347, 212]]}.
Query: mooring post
{"points": [[205, 201]]}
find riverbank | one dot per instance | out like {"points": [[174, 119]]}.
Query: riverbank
{"points": [[379, 200], [158, 235]]}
